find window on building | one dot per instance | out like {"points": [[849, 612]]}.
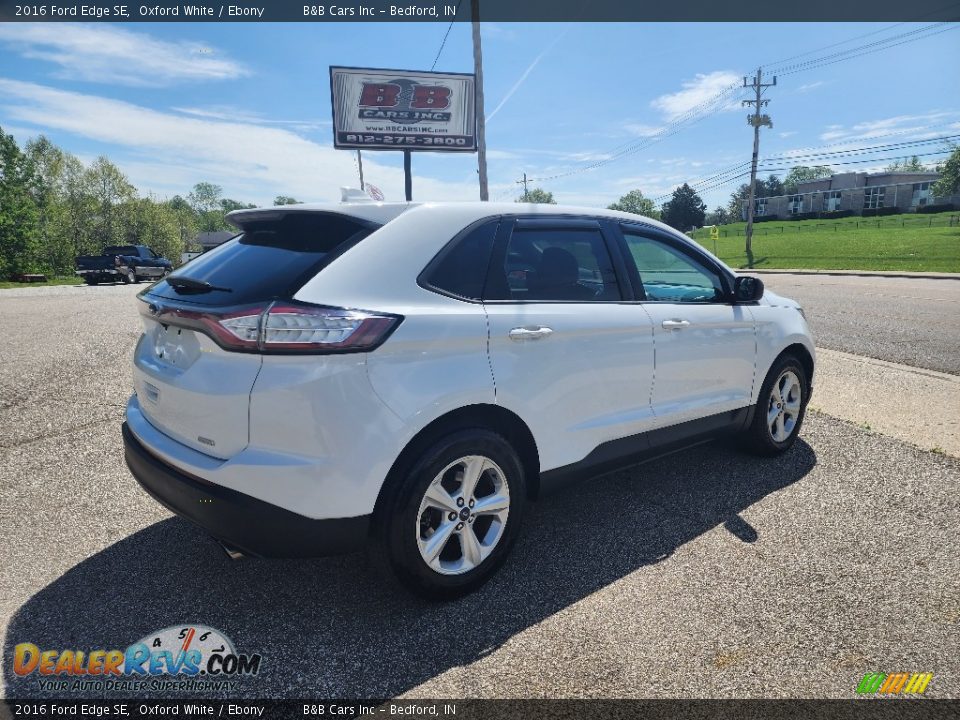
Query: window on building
{"points": [[760, 206], [873, 198], [921, 195], [831, 201], [795, 204]]}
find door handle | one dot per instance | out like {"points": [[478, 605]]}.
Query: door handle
{"points": [[675, 324], [519, 334]]}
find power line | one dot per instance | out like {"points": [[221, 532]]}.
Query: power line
{"points": [[718, 103], [855, 52], [445, 36]]}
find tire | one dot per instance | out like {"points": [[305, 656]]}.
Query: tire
{"points": [[407, 519], [91, 280], [777, 419], [129, 277]]}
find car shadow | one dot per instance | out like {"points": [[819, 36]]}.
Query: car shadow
{"points": [[335, 628]]}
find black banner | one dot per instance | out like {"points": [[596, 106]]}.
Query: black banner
{"points": [[490, 10], [854, 709]]}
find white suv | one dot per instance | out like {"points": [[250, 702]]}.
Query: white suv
{"points": [[413, 374]]}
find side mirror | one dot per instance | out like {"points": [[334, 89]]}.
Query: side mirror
{"points": [[747, 289]]}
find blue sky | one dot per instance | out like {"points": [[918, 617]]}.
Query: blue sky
{"points": [[247, 105]]}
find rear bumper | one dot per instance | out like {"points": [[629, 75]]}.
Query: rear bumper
{"points": [[253, 526], [102, 271]]}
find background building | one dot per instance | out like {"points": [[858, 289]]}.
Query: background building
{"points": [[855, 192]]}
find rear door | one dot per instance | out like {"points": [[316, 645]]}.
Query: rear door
{"points": [[569, 353], [188, 386], [705, 346]]}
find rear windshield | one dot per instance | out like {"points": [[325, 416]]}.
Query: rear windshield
{"points": [[271, 259], [121, 250]]}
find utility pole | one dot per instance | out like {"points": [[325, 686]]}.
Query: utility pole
{"points": [[526, 195], [757, 120], [481, 118], [360, 168]]}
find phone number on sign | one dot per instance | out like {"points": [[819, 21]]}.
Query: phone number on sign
{"points": [[432, 141]]}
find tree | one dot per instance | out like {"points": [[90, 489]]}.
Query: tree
{"points": [[49, 162], [228, 205], [949, 182], [719, 216], [154, 224], [772, 187], [285, 200], [684, 210], [186, 221], [802, 174], [110, 191], [537, 196], [205, 201], [19, 214], [911, 165], [634, 202]]}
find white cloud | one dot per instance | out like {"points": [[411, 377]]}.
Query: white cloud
{"points": [[233, 114], [641, 130], [107, 54], [169, 153], [810, 86], [904, 126], [788, 133], [694, 92]]}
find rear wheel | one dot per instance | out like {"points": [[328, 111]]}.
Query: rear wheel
{"points": [[779, 413], [90, 280], [449, 522], [129, 277]]}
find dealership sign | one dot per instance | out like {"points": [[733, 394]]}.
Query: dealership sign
{"points": [[402, 110]]}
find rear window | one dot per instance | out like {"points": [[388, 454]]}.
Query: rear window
{"points": [[120, 250], [270, 259]]}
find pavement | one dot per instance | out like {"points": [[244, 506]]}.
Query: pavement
{"points": [[705, 574]]}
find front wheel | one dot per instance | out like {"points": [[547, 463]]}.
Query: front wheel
{"points": [[448, 523], [780, 409], [129, 277]]}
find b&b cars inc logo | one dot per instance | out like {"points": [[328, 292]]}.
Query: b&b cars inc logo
{"points": [[187, 657], [404, 102]]}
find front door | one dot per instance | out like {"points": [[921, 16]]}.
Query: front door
{"points": [[705, 346]]}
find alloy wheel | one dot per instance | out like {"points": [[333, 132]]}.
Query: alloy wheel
{"points": [[463, 515], [783, 410]]}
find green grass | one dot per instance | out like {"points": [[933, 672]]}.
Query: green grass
{"points": [[65, 280], [901, 242]]}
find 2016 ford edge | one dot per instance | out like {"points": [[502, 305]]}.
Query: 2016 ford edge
{"points": [[412, 375]]}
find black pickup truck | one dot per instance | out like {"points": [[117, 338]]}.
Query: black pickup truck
{"points": [[129, 263]]}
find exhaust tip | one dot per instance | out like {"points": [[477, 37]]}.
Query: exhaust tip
{"points": [[231, 552]]}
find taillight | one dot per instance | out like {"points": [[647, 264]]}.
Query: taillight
{"points": [[283, 327]]}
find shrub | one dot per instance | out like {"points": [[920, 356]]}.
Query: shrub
{"points": [[764, 218], [873, 212], [835, 214], [942, 207], [805, 216]]}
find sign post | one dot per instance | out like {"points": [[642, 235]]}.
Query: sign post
{"points": [[408, 110]]}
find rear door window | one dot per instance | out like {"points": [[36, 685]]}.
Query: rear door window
{"points": [[271, 259], [563, 264]]}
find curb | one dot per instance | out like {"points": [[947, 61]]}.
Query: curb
{"points": [[862, 273]]}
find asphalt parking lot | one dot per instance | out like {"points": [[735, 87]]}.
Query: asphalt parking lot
{"points": [[705, 574]]}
